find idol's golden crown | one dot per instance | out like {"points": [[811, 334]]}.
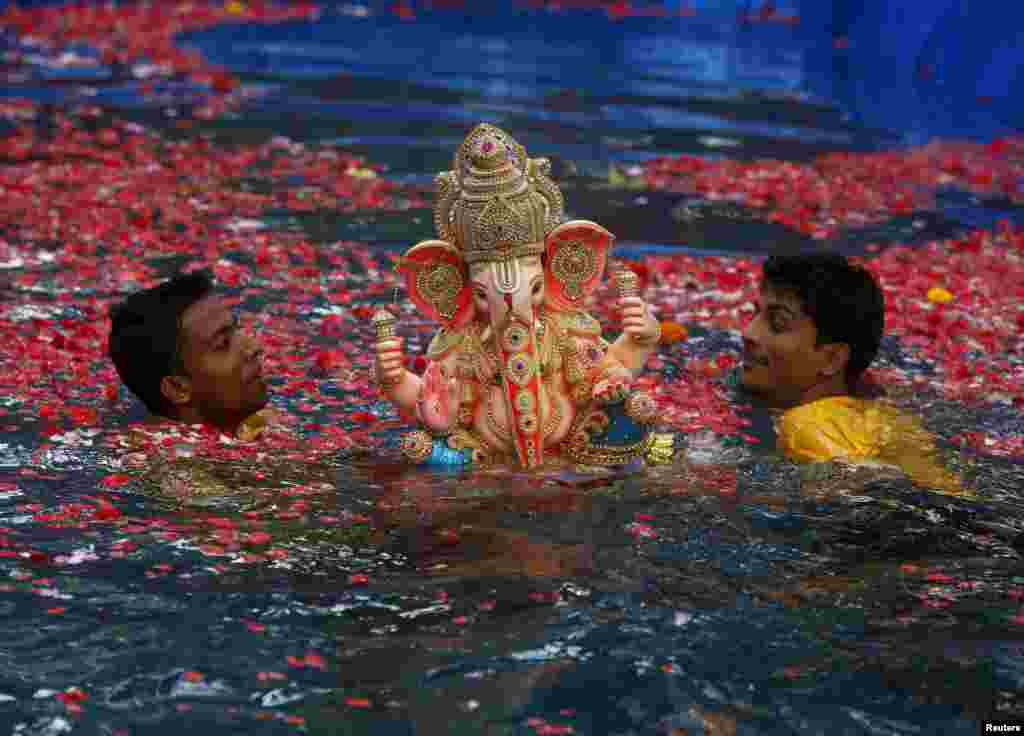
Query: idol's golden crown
{"points": [[496, 203]]}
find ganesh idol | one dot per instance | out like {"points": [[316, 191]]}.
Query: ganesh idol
{"points": [[518, 373]]}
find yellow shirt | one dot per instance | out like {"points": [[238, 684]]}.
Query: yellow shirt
{"points": [[851, 429]]}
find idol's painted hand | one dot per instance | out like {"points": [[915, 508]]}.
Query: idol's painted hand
{"points": [[390, 362], [639, 323]]}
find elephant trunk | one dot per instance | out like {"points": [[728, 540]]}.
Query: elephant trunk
{"points": [[521, 381], [515, 335]]}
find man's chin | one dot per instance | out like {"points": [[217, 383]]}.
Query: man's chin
{"points": [[261, 389], [748, 380], [261, 401], [756, 386], [257, 401]]}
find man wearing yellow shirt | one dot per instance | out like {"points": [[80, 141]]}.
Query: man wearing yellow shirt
{"points": [[817, 327]]}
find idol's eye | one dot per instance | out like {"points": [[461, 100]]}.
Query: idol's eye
{"points": [[537, 286]]}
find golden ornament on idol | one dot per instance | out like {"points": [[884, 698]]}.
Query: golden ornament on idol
{"points": [[507, 281]]}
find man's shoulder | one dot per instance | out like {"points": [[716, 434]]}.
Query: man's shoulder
{"points": [[827, 408], [832, 427]]}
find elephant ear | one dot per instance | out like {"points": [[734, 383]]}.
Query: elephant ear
{"points": [[435, 279], [577, 252]]}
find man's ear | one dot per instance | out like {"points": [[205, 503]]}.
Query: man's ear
{"points": [[176, 389], [837, 355]]}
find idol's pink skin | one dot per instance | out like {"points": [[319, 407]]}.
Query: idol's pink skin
{"points": [[632, 349], [399, 385], [639, 328], [434, 398]]}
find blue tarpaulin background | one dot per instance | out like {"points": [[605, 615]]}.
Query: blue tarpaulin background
{"points": [[923, 68], [918, 69], [928, 68]]}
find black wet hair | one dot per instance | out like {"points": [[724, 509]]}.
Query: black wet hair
{"points": [[843, 300], [145, 332]]}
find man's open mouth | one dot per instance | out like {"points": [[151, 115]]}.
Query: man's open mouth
{"points": [[752, 360]]}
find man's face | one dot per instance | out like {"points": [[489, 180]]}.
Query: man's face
{"points": [[781, 361], [224, 364]]}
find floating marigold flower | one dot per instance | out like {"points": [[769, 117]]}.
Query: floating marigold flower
{"points": [[361, 173], [672, 332], [939, 295]]}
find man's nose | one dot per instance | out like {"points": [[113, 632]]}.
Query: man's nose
{"points": [[751, 333]]}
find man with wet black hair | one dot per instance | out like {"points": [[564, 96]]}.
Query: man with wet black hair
{"points": [[178, 347], [817, 327]]}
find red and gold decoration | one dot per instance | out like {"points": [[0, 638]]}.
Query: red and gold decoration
{"points": [[527, 367]]}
